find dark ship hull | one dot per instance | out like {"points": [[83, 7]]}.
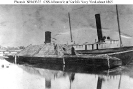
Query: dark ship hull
{"points": [[94, 60], [125, 54]]}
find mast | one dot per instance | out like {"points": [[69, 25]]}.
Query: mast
{"points": [[70, 27], [118, 26]]}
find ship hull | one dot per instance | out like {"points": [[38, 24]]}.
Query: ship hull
{"points": [[83, 60], [107, 58], [125, 54], [34, 60]]}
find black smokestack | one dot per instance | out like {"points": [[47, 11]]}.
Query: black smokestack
{"points": [[99, 30], [47, 37]]}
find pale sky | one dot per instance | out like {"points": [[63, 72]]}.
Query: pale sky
{"points": [[26, 24]]}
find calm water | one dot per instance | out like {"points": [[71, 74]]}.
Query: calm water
{"points": [[60, 77]]}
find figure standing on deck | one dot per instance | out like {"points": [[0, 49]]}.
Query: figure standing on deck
{"points": [[73, 51]]}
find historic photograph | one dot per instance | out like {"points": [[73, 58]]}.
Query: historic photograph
{"points": [[66, 46]]}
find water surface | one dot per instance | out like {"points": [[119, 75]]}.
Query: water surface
{"points": [[61, 77]]}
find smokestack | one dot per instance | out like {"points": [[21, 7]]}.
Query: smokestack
{"points": [[47, 37], [99, 30]]}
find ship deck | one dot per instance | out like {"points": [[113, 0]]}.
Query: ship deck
{"points": [[105, 51]]}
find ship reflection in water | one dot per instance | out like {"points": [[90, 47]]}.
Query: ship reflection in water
{"points": [[42, 76]]}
